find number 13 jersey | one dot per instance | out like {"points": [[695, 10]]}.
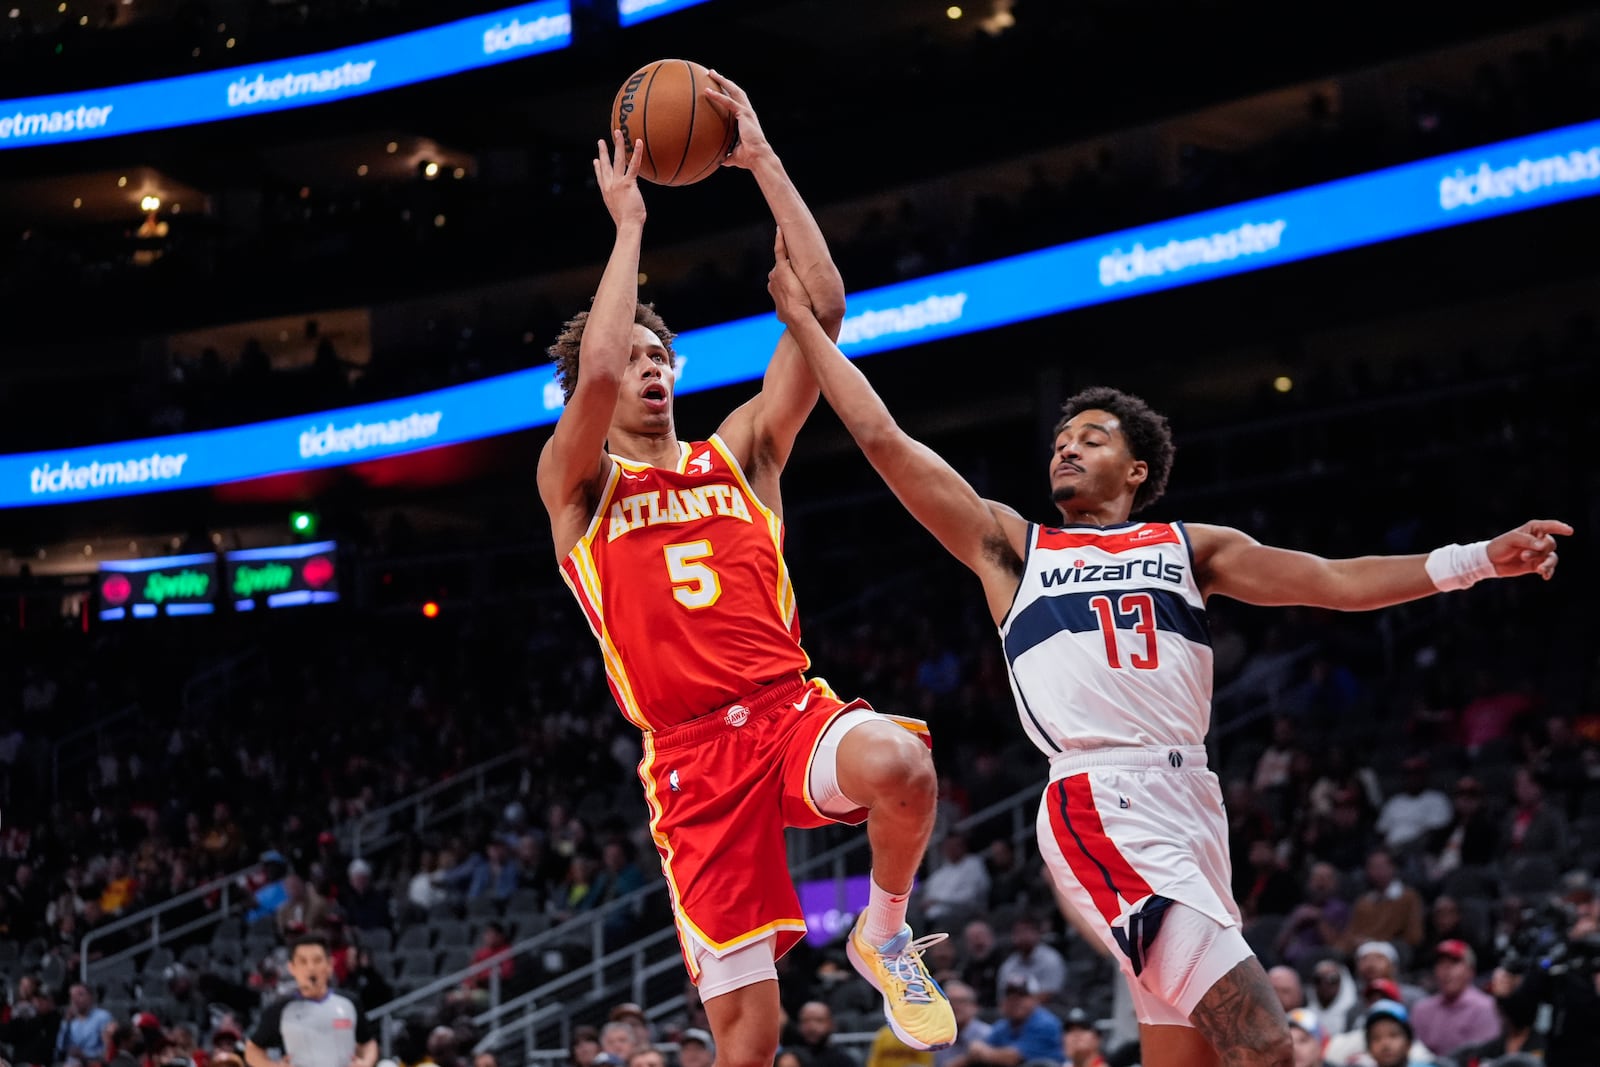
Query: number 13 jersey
{"points": [[1107, 641], [682, 579]]}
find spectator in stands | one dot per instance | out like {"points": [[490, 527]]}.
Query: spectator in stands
{"points": [[186, 1003], [120, 889], [1025, 1033], [619, 1039], [959, 888], [618, 876], [424, 893], [473, 996], [1309, 1038], [1534, 828], [569, 895], [1081, 1040], [1333, 994], [1031, 958], [1318, 924], [1445, 923], [633, 1015], [1339, 837], [1389, 1035], [495, 877], [303, 911], [814, 1038], [367, 982], [124, 1046], [225, 1041], [443, 1050], [269, 888], [1492, 714], [584, 1048], [1408, 817], [1009, 882], [1378, 961], [696, 1049], [1471, 839], [980, 966], [363, 905], [1517, 1036], [1460, 1013], [82, 1035], [1388, 911], [1286, 983], [970, 1026], [647, 1057], [32, 1034], [1274, 767]]}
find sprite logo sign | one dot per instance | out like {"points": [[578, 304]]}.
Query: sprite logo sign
{"points": [[267, 578], [181, 585]]}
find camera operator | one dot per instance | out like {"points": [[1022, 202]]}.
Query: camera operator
{"points": [[1555, 965]]}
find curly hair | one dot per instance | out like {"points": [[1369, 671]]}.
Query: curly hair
{"points": [[565, 351], [1147, 433]]}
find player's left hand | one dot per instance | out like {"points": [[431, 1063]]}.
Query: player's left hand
{"points": [[750, 143], [1529, 549]]}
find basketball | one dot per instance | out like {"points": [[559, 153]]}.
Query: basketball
{"points": [[664, 105]]}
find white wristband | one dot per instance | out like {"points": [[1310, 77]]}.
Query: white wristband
{"points": [[1459, 566]]}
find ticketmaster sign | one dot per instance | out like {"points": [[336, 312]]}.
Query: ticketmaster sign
{"points": [[1450, 190], [316, 79]]}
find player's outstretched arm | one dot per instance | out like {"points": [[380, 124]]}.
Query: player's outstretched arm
{"points": [[1235, 564], [573, 457], [762, 432], [985, 538]]}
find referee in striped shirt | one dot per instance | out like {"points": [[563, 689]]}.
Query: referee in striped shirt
{"points": [[314, 1026]]}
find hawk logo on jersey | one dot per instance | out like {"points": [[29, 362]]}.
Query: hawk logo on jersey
{"points": [[737, 715], [672, 782], [1175, 758], [701, 464]]}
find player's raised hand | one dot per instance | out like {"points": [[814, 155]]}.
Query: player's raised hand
{"points": [[617, 173], [789, 294], [1528, 549], [750, 142]]}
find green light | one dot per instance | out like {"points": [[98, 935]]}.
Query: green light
{"points": [[304, 523]]}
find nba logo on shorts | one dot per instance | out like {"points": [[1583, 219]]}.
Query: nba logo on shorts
{"points": [[737, 715], [672, 781], [1175, 758]]}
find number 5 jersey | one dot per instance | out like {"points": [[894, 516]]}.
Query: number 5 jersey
{"points": [[681, 577]]}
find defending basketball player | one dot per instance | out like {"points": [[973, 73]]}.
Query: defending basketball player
{"points": [[1104, 628], [674, 551]]}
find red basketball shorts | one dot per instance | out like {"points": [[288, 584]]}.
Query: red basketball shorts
{"points": [[721, 790]]}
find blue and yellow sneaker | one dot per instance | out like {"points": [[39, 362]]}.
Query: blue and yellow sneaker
{"points": [[917, 1009]]}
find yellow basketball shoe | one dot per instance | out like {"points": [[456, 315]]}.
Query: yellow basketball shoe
{"points": [[917, 1009]]}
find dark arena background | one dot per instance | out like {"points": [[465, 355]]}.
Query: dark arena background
{"points": [[283, 646]]}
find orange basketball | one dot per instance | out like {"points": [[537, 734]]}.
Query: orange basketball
{"points": [[664, 105]]}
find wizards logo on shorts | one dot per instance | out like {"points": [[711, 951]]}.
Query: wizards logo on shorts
{"points": [[1175, 758]]}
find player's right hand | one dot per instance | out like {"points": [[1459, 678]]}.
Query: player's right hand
{"points": [[789, 294], [617, 173]]}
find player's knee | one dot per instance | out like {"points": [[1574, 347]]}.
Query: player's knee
{"points": [[893, 765], [744, 1053]]}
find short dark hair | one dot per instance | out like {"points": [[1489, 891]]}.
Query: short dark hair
{"points": [[306, 940], [565, 350], [1147, 433]]}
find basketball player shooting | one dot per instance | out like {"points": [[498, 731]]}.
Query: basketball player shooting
{"points": [[1104, 628], [674, 552]]}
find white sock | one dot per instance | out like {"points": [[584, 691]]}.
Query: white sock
{"points": [[885, 915]]}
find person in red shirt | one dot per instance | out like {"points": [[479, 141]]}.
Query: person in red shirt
{"points": [[674, 552], [1080, 1041]]}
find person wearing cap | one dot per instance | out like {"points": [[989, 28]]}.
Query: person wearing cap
{"points": [[1390, 1038], [1354, 1047], [364, 905], [1460, 1013], [1080, 1041], [1380, 961], [1309, 1038], [1025, 1033], [1389, 910], [696, 1049]]}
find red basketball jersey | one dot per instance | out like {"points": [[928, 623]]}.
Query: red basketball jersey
{"points": [[682, 579]]}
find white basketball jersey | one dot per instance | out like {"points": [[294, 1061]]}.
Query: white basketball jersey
{"points": [[1107, 641]]}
